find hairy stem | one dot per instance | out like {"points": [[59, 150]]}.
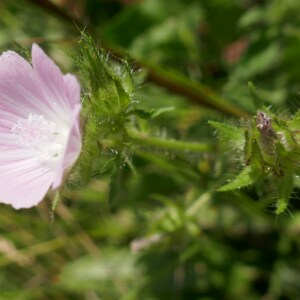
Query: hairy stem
{"points": [[142, 139]]}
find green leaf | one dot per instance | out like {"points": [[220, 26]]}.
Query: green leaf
{"points": [[247, 177], [229, 133]]}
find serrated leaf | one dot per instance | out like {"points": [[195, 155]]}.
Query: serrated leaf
{"points": [[247, 177], [231, 134]]}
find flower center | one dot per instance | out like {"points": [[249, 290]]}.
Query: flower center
{"points": [[41, 137]]}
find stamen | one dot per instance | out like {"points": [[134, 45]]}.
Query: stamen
{"points": [[40, 136]]}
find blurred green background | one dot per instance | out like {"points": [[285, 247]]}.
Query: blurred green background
{"points": [[162, 232]]}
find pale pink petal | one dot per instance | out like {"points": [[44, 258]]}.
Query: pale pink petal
{"points": [[19, 90], [24, 183], [72, 89], [51, 80], [73, 148]]}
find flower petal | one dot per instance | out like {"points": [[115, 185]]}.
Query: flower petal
{"points": [[73, 148], [51, 81], [24, 183], [19, 91], [72, 89]]}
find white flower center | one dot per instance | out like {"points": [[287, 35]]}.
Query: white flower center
{"points": [[40, 136]]}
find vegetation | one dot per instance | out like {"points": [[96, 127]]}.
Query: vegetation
{"points": [[188, 182]]}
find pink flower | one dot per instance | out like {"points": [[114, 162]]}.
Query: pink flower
{"points": [[40, 138]]}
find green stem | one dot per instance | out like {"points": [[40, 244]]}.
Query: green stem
{"points": [[142, 139]]}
